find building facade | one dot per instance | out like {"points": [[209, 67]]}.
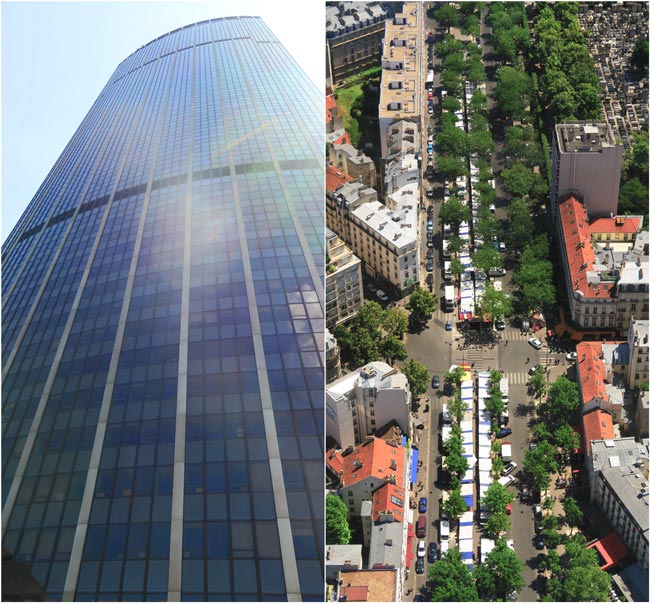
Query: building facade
{"points": [[163, 336], [586, 162], [354, 163], [606, 276], [343, 285], [354, 32], [362, 402]]}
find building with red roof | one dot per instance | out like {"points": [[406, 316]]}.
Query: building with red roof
{"points": [[371, 585], [606, 270], [361, 470]]}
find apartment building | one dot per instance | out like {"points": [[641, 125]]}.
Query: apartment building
{"points": [[401, 68], [354, 33], [618, 476], [332, 357], [607, 279], [361, 402], [354, 163], [586, 162], [343, 284]]}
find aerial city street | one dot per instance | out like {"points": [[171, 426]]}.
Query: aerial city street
{"points": [[487, 278]]}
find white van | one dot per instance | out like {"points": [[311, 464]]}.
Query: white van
{"points": [[444, 530]]}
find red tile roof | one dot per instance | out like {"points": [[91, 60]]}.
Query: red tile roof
{"points": [[579, 250], [335, 178], [389, 498], [343, 139], [374, 458], [591, 371], [625, 224], [598, 426]]}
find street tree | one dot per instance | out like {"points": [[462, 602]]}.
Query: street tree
{"points": [[497, 466], [539, 464], [478, 103], [454, 506], [475, 71], [481, 142], [370, 317], [535, 281], [450, 167], [572, 512], [337, 527], [471, 26], [456, 243], [495, 305], [457, 406], [392, 349], [486, 226], [486, 257], [562, 401], [500, 575], [456, 464], [453, 212], [512, 92], [580, 574], [521, 224], [451, 81], [497, 497], [450, 579], [517, 180], [455, 376], [422, 304], [494, 402], [497, 524], [452, 141], [450, 45], [451, 103], [537, 381], [396, 321], [446, 16], [567, 440], [417, 375], [456, 268]]}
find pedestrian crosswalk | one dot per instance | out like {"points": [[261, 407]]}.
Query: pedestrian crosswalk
{"points": [[517, 378]]}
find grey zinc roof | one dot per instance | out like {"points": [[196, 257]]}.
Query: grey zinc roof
{"points": [[386, 544], [632, 489]]}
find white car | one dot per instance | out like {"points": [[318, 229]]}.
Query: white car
{"points": [[422, 549], [381, 295], [506, 481], [571, 356], [536, 343]]}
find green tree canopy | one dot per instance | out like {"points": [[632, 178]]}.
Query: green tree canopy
{"points": [[572, 512], [512, 92], [450, 579], [494, 402], [422, 304], [396, 321], [539, 464], [500, 575], [450, 167], [336, 513], [486, 257], [418, 377], [453, 212], [392, 349], [639, 58], [452, 141], [497, 497], [457, 406], [495, 305], [446, 16], [562, 401], [454, 506], [521, 224], [497, 524], [537, 381]]}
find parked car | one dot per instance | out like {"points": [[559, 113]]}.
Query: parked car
{"points": [[499, 325], [536, 343], [532, 369], [539, 542], [435, 382], [506, 481], [571, 356], [371, 287], [430, 279], [448, 326], [509, 468], [503, 432], [430, 129], [537, 512], [430, 193], [422, 549], [494, 271], [539, 526], [381, 295], [419, 566], [429, 265], [422, 507], [429, 254], [525, 494], [432, 552]]}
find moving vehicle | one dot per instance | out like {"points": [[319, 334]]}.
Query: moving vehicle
{"points": [[381, 295], [536, 343], [448, 301], [503, 432], [448, 326], [499, 325], [435, 382]]}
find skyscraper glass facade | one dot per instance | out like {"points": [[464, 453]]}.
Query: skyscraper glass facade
{"points": [[162, 349]]}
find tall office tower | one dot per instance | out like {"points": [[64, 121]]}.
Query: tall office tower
{"points": [[163, 336]]}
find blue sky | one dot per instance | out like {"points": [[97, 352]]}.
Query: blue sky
{"points": [[57, 57]]}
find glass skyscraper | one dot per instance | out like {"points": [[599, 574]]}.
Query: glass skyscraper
{"points": [[162, 349]]}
